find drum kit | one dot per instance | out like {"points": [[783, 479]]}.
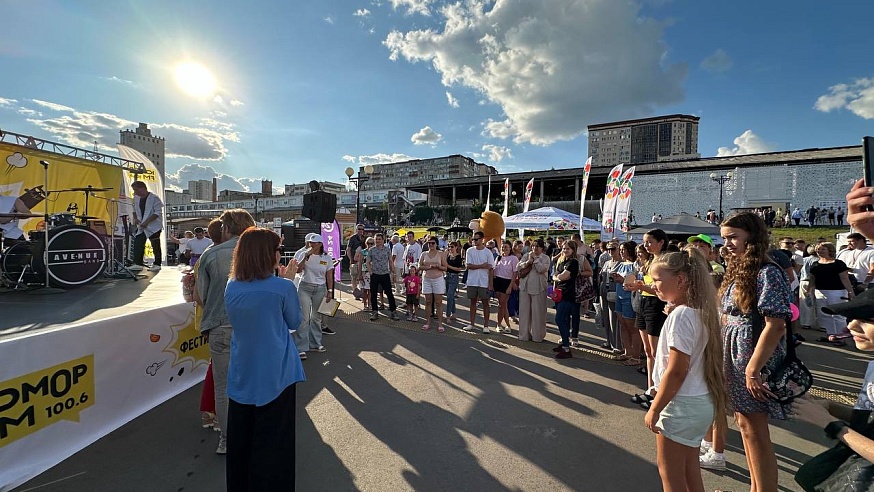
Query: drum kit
{"points": [[64, 254]]}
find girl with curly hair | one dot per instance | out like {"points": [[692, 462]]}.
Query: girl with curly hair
{"points": [[755, 299]]}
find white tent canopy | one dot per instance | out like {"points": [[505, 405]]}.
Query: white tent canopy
{"points": [[550, 219]]}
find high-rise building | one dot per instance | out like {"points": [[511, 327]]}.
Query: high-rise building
{"points": [[266, 187], [662, 138], [202, 189], [399, 175], [142, 140], [301, 189]]}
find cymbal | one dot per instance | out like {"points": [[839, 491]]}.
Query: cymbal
{"points": [[86, 217], [89, 188], [19, 216]]}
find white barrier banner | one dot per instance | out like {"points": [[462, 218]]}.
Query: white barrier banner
{"points": [[63, 390]]}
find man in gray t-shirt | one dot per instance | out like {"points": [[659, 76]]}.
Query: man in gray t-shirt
{"points": [[378, 264]]}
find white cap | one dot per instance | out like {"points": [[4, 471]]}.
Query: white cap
{"points": [[315, 238], [309, 237]]}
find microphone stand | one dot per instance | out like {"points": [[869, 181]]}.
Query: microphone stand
{"points": [[47, 289], [114, 267]]}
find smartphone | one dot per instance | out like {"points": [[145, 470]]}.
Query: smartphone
{"points": [[868, 159]]}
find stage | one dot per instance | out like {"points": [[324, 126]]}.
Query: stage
{"points": [[79, 363]]}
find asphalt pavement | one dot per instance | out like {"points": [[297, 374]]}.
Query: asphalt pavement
{"points": [[390, 407]]}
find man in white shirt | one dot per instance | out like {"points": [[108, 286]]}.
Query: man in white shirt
{"points": [[148, 209], [480, 273], [397, 262], [859, 257], [412, 252], [197, 245]]}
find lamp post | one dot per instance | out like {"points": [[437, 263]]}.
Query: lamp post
{"points": [[368, 169], [721, 179], [504, 196]]}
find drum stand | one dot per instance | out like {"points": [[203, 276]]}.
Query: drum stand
{"points": [[115, 266], [47, 289]]}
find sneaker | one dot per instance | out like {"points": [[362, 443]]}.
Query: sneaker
{"points": [[328, 331], [564, 354], [222, 445], [320, 348], [468, 327], [394, 316], [575, 342], [135, 268], [207, 420], [373, 316], [705, 447], [558, 348], [486, 330], [303, 356], [155, 268], [712, 461]]}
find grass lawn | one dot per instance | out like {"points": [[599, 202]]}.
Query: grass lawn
{"points": [[809, 234]]}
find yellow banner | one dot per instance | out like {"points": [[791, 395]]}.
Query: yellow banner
{"points": [[39, 399], [21, 170]]}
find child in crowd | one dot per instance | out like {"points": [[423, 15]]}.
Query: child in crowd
{"points": [[413, 286], [687, 370]]}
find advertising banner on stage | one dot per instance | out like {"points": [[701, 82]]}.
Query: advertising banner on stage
{"points": [[63, 390], [610, 195], [68, 181], [623, 201], [586, 170], [331, 234]]}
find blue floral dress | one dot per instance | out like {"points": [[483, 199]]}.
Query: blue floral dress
{"points": [[772, 291]]}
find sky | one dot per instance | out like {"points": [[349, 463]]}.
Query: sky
{"points": [[297, 90]]}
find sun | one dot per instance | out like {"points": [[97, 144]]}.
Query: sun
{"points": [[194, 79]]}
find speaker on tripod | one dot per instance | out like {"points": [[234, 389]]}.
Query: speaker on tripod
{"points": [[320, 206]]}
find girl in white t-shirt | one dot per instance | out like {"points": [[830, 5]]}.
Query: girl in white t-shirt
{"points": [[687, 370]]}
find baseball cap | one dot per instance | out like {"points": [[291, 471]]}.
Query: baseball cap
{"points": [[861, 307], [700, 237], [199, 230], [309, 237], [315, 238]]}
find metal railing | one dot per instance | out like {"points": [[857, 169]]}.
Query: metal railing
{"points": [[56, 148]]}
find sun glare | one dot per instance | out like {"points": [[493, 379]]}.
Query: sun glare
{"points": [[194, 79]]}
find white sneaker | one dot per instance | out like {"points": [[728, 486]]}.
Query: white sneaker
{"points": [[222, 445], [468, 327], [155, 268], [135, 268], [712, 461], [705, 447], [486, 330]]}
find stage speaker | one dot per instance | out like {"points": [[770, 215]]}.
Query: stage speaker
{"points": [[320, 206]]}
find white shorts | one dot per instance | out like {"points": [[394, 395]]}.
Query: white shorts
{"points": [[433, 285]]}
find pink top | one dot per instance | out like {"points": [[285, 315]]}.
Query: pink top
{"points": [[412, 283], [506, 266]]}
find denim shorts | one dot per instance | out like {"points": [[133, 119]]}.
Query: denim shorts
{"points": [[623, 307], [686, 418]]}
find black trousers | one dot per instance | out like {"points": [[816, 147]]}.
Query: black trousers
{"points": [[140, 248], [381, 281], [261, 445]]}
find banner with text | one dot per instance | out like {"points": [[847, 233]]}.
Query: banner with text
{"points": [[331, 235], [528, 189], [623, 203], [60, 391], [587, 169], [608, 215]]}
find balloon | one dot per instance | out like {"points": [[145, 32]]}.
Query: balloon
{"points": [[795, 312]]}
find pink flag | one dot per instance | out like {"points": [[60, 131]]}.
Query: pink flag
{"points": [[331, 236]]}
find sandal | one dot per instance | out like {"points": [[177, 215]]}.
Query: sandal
{"points": [[641, 398], [426, 326], [440, 329], [645, 405], [631, 362]]}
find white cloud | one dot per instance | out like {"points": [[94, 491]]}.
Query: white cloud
{"points": [[426, 136], [178, 181], [218, 99], [718, 61], [362, 13], [382, 158], [857, 97], [747, 143], [452, 101], [53, 106], [412, 6], [497, 153], [236, 102], [28, 112], [553, 67], [329, 20], [119, 80], [83, 128], [8, 102], [349, 158]]}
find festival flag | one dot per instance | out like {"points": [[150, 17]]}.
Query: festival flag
{"points": [[528, 189], [623, 204], [586, 170], [610, 197], [331, 234], [489, 195], [506, 196]]}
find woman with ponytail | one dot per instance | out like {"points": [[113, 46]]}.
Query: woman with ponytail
{"points": [[687, 367], [755, 299]]}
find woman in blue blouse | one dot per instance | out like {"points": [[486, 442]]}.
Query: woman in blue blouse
{"points": [[264, 367]]}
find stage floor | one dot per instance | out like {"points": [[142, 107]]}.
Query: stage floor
{"points": [[24, 313]]}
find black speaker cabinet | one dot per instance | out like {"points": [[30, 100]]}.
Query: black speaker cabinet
{"points": [[320, 206]]}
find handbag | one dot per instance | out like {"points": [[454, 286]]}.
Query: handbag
{"points": [[636, 297], [839, 468], [791, 378], [583, 289], [524, 271], [611, 297], [555, 295]]}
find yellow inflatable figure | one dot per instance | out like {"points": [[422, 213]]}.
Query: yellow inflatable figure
{"points": [[490, 223]]}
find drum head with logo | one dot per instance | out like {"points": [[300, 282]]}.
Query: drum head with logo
{"points": [[77, 255]]}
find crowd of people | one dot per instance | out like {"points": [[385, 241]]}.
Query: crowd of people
{"points": [[706, 323]]}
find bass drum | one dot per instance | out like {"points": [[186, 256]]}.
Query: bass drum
{"points": [[77, 255], [17, 267]]}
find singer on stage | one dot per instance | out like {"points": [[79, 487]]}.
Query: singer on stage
{"points": [[148, 209], [9, 226]]}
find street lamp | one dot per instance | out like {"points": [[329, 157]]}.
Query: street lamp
{"points": [[368, 169], [721, 179], [512, 194]]}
